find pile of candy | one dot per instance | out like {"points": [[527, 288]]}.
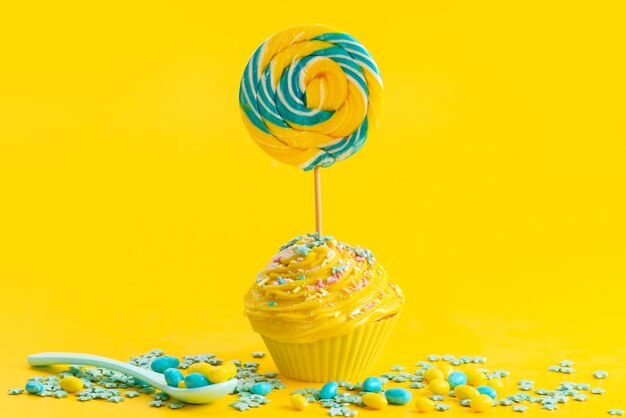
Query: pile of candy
{"points": [[458, 381], [90, 383]]}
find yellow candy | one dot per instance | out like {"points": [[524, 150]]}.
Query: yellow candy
{"points": [[71, 384], [432, 374], [495, 383], [222, 373], [424, 404], [481, 403], [439, 386], [374, 400], [465, 392], [202, 368], [182, 384], [446, 368], [475, 377], [299, 402]]}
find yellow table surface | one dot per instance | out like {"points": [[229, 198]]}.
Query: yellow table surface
{"points": [[135, 211]]}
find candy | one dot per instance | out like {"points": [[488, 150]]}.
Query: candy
{"points": [[441, 407], [299, 402], [423, 404], [616, 412], [432, 374], [202, 367], [487, 390], [261, 388], [71, 384], [372, 384], [309, 94], [34, 387], [496, 382], [519, 408], [374, 400], [457, 378], [465, 392], [173, 377], [481, 403], [329, 390], [160, 364], [475, 377], [196, 380], [439, 386], [446, 368], [222, 373], [398, 396]]}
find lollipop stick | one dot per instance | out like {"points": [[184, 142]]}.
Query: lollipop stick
{"points": [[318, 201]]}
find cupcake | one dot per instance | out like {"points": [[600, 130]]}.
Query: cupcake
{"points": [[324, 309]]}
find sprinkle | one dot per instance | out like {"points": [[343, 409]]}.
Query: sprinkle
{"points": [[302, 250], [397, 368], [579, 397], [297, 289], [320, 283], [272, 303], [597, 391], [554, 369], [301, 277], [156, 404], [116, 399], [176, 405], [258, 354], [16, 391], [566, 363], [549, 407], [441, 407], [567, 370], [600, 374], [465, 402], [433, 357], [437, 398], [262, 282], [131, 394], [616, 412], [281, 280], [582, 386], [519, 408]]}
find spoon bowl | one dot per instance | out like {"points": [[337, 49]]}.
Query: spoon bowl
{"points": [[205, 394]]}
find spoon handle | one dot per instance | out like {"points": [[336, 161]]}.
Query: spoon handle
{"points": [[47, 359]]}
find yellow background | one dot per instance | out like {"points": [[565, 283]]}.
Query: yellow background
{"points": [[135, 210]]}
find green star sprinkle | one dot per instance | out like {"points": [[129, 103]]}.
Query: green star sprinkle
{"points": [[519, 408], [397, 368], [116, 399], [131, 394], [176, 405], [15, 391], [441, 407], [156, 404], [302, 250], [258, 354]]}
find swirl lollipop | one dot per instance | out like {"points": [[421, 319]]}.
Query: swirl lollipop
{"points": [[309, 95]]}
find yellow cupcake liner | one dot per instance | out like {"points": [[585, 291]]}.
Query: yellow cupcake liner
{"points": [[346, 357]]}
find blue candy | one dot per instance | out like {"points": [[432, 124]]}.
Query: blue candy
{"points": [[160, 364], [372, 384], [34, 387], [487, 390], [261, 388], [196, 380], [329, 390], [398, 396], [457, 378], [173, 376]]}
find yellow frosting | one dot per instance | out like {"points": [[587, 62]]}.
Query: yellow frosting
{"points": [[317, 287]]}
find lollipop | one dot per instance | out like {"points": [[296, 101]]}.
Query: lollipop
{"points": [[309, 94]]}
